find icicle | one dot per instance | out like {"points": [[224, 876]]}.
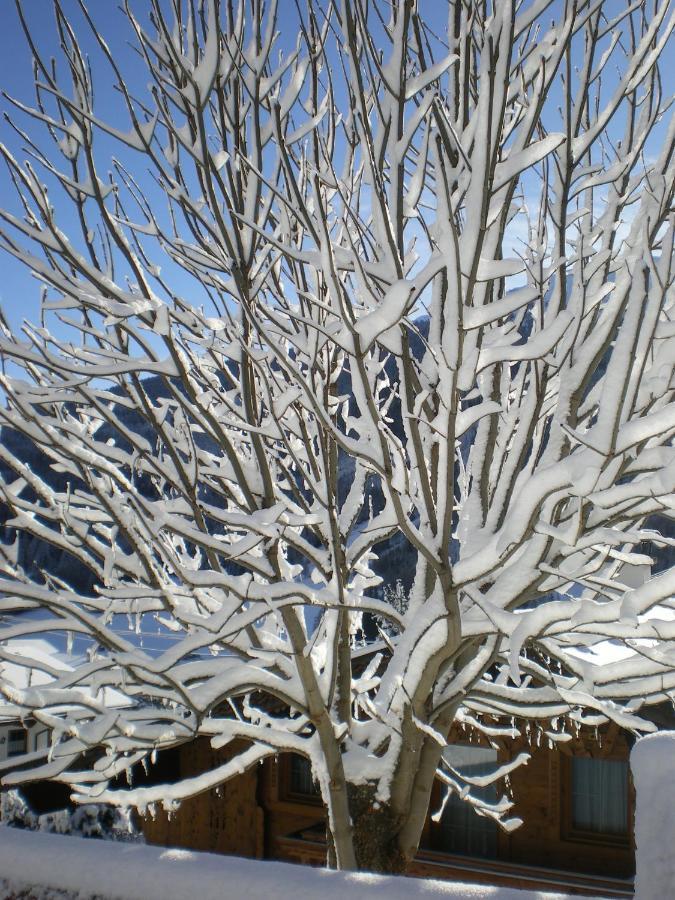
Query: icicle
{"points": [[508, 786]]}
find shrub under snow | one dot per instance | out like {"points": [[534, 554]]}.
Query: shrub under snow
{"points": [[90, 820]]}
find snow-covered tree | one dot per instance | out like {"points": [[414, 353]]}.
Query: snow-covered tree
{"points": [[346, 275]]}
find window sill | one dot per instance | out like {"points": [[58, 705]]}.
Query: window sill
{"points": [[598, 838]]}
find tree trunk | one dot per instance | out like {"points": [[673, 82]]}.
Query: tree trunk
{"points": [[375, 831]]}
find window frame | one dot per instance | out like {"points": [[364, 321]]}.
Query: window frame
{"points": [[39, 735], [11, 736], [571, 832], [432, 843], [286, 792]]}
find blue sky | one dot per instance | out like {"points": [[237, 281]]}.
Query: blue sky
{"points": [[19, 293]]}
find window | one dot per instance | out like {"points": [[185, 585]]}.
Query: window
{"points": [[42, 739], [598, 798], [16, 742], [301, 781], [461, 830], [296, 783]]}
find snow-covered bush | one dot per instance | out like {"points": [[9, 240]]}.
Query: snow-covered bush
{"points": [[89, 820]]}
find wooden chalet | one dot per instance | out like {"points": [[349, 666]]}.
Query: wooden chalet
{"points": [[575, 799]]}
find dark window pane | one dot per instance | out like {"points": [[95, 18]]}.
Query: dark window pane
{"points": [[461, 830], [16, 742], [301, 777], [600, 795]]}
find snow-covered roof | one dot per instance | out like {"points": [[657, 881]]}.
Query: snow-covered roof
{"points": [[42, 659], [605, 653]]}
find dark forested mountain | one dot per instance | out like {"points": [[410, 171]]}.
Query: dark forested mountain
{"points": [[396, 558]]}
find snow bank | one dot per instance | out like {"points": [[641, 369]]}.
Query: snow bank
{"points": [[652, 761], [137, 872]]}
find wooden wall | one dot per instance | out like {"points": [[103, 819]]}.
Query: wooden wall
{"points": [[224, 820], [540, 790], [286, 816], [253, 815]]}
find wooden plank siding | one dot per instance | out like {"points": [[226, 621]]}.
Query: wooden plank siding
{"points": [[224, 820], [256, 815], [541, 790]]}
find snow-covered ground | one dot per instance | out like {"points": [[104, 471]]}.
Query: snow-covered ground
{"points": [[56, 867]]}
